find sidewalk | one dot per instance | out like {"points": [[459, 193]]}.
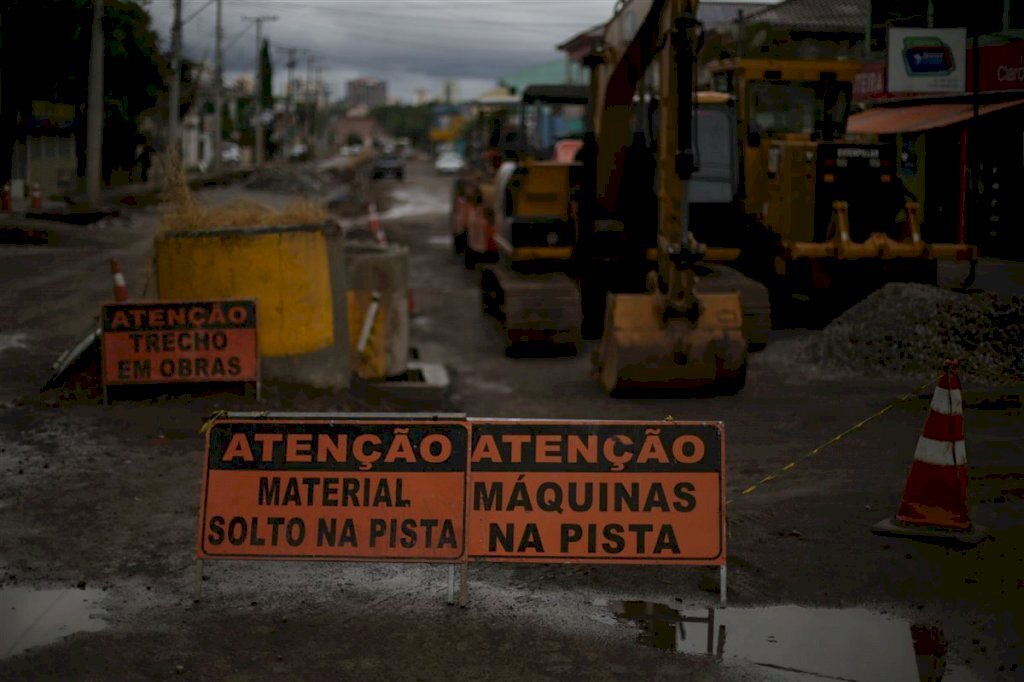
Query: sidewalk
{"points": [[77, 210]]}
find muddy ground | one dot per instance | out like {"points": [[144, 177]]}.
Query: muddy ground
{"points": [[98, 509]]}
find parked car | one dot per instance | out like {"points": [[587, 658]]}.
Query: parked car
{"points": [[388, 166], [448, 163]]}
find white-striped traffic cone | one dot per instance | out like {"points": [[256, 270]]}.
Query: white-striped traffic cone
{"points": [[37, 197], [373, 224], [120, 288], [934, 500]]}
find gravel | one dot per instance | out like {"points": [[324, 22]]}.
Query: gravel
{"points": [[910, 328]]}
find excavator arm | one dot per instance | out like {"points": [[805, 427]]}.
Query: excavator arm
{"points": [[671, 337], [627, 51]]}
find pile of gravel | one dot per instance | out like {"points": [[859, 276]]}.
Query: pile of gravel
{"points": [[287, 180], [911, 328]]}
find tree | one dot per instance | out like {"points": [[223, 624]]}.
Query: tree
{"points": [[45, 56], [266, 76], [405, 121]]}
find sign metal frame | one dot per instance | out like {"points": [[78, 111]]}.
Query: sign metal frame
{"points": [[713, 458]]}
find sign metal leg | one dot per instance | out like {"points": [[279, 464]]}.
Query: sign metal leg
{"points": [[722, 586], [463, 585], [199, 579], [711, 631]]}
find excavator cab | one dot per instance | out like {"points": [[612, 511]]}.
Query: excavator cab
{"points": [[537, 214], [530, 289], [822, 217]]}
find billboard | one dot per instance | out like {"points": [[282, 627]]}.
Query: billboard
{"points": [[927, 60]]}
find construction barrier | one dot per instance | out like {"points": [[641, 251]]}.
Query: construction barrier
{"points": [[378, 308], [374, 226], [120, 287], [444, 488], [934, 502]]}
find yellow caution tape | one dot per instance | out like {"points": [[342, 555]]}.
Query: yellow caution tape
{"points": [[208, 424], [836, 439]]}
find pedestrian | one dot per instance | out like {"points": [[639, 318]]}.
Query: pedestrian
{"points": [[145, 160]]}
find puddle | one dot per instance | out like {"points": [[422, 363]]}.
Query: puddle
{"points": [[416, 201], [488, 386], [799, 642], [13, 341], [30, 618]]}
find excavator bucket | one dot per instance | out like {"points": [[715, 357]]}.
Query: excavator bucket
{"points": [[642, 351]]}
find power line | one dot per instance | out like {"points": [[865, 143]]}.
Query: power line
{"points": [[238, 35], [197, 12]]}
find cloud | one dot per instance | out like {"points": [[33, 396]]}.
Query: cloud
{"points": [[409, 43]]}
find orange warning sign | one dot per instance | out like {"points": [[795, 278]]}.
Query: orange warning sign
{"points": [[597, 492], [346, 490], [179, 342]]}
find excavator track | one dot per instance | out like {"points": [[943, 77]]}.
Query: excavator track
{"points": [[533, 307], [754, 297]]}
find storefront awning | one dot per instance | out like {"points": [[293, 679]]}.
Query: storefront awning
{"points": [[913, 118]]}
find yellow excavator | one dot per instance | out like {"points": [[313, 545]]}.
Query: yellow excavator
{"points": [[530, 288], [675, 335], [816, 213]]}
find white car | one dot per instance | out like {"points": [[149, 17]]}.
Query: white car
{"points": [[231, 153], [449, 162]]}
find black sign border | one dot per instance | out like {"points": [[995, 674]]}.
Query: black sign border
{"points": [[159, 382], [462, 557], [717, 559]]}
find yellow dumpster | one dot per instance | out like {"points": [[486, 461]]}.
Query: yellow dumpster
{"points": [[286, 269]]}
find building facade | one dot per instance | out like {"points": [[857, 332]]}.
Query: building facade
{"points": [[961, 151], [366, 92]]}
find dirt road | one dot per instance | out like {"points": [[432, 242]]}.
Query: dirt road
{"points": [[98, 516]]}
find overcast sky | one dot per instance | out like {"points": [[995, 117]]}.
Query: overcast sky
{"points": [[409, 43]]}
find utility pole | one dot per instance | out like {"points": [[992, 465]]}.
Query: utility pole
{"points": [[290, 85], [309, 102], [739, 34], [173, 145], [94, 132], [316, 99], [257, 87], [218, 100], [974, 205]]}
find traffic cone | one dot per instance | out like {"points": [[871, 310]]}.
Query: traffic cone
{"points": [[930, 649], [37, 197], [120, 288], [373, 224], [934, 503], [5, 198]]}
